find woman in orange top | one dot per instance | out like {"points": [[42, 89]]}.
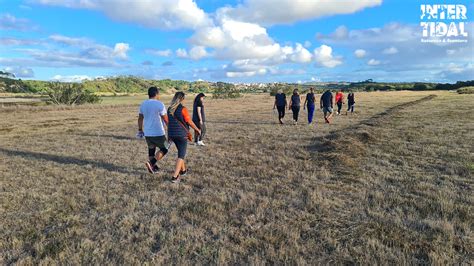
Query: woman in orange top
{"points": [[178, 131]]}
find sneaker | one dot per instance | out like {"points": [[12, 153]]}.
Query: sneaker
{"points": [[175, 179], [183, 173], [156, 169], [150, 167], [200, 143]]}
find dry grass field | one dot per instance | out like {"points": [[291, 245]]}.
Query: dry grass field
{"points": [[392, 184]]}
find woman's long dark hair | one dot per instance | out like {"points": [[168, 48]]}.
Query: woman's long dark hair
{"points": [[198, 98], [295, 92]]}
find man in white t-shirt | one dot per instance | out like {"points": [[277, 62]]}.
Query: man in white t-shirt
{"points": [[151, 119]]}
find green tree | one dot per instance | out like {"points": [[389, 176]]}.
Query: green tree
{"points": [[71, 94]]}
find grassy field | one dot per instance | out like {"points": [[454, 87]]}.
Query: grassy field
{"points": [[391, 184]]}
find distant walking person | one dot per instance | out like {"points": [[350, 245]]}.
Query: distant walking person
{"points": [[309, 103], [326, 103], [151, 116], [199, 118], [350, 102], [295, 103], [280, 104], [178, 132], [339, 101]]}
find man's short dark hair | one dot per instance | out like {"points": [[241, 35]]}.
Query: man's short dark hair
{"points": [[152, 92]]}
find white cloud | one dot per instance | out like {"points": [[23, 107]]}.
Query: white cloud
{"points": [[10, 22], [360, 53], [373, 62], [390, 50], [121, 49], [163, 14], [197, 52], [324, 57], [72, 78], [271, 12], [301, 55], [163, 53], [181, 53], [21, 72]]}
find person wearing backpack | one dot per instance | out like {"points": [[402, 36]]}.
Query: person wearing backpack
{"points": [[178, 132]]}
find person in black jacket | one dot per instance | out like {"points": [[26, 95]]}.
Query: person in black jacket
{"points": [[280, 104], [199, 118], [350, 102], [178, 132], [295, 103]]}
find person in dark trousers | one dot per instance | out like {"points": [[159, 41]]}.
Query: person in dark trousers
{"points": [[199, 118], [295, 102], [326, 103], [339, 101], [309, 103], [178, 132], [280, 104], [350, 102], [151, 118]]}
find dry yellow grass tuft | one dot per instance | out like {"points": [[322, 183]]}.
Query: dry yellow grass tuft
{"points": [[390, 184]]}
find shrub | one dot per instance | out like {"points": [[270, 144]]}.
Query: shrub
{"points": [[226, 91], [466, 90], [71, 94]]}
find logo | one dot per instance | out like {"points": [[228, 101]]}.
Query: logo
{"points": [[444, 23]]}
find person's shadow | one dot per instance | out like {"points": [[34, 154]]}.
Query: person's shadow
{"points": [[67, 160]]}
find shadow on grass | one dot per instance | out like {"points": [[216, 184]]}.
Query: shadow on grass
{"points": [[236, 122], [117, 137], [66, 160]]}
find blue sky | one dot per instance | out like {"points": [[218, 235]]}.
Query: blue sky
{"points": [[233, 41]]}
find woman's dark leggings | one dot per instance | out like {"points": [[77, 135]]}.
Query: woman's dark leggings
{"points": [[350, 107], [203, 131], [281, 112], [296, 111], [339, 107]]}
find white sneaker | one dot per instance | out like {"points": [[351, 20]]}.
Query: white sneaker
{"points": [[200, 143]]}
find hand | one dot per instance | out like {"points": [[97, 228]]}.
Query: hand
{"points": [[140, 134], [198, 132], [200, 123]]}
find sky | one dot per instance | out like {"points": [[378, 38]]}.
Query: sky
{"points": [[236, 41]]}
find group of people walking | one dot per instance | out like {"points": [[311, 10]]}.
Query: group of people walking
{"points": [[153, 117], [326, 103]]}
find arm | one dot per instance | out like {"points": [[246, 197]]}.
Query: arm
{"points": [[189, 121], [274, 103], [199, 108], [321, 102], [291, 102], [304, 105], [140, 122]]}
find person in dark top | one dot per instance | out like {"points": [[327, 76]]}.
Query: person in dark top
{"points": [[280, 104], [309, 103], [350, 102], [199, 118], [295, 102], [326, 103], [178, 132]]}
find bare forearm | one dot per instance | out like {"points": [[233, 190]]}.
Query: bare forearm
{"points": [[140, 123]]}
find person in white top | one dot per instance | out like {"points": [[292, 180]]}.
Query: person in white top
{"points": [[152, 118]]}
